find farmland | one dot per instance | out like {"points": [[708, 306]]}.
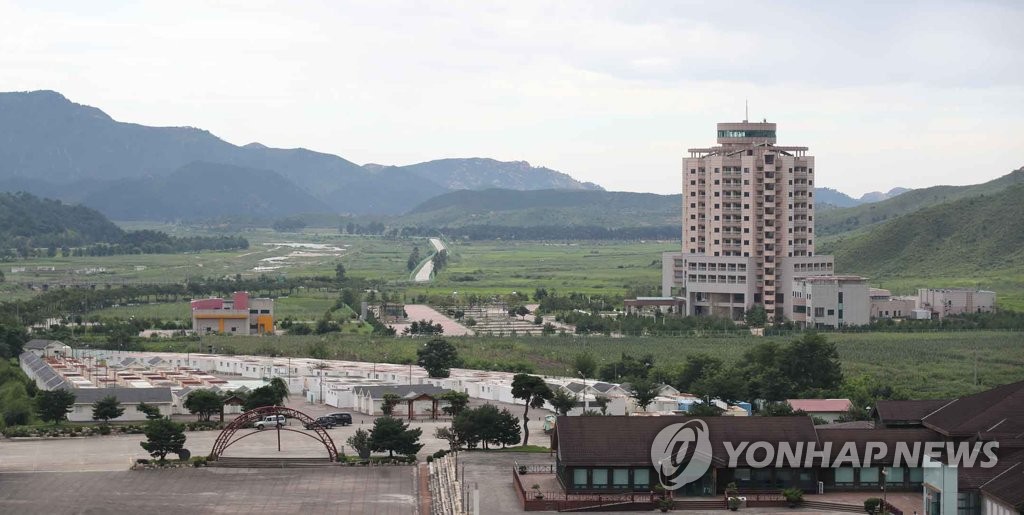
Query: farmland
{"points": [[919, 364]]}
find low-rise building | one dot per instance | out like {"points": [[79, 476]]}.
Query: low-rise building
{"points": [[829, 410], [239, 315], [886, 306], [130, 398], [830, 301], [47, 348], [943, 302]]}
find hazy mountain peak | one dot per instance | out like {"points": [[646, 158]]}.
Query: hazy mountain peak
{"points": [[878, 196]]}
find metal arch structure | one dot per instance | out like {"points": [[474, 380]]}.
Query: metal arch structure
{"points": [[227, 436]]}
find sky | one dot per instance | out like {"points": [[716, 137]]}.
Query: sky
{"points": [[885, 94]]}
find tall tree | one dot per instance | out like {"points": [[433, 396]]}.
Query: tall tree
{"points": [[812, 364], [54, 405], [107, 408], [204, 403], [562, 401], [437, 357], [263, 396], [392, 435], [585, 364], [388, 403], [534, 392], [280, 387], [163, 436], [339, 272], [457, 401], [643, 392], [696, 366]]}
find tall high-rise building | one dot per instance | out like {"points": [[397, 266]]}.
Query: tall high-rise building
{"points": [[748, 225]]}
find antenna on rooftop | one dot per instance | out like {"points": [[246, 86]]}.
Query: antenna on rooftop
{"points": [[746, 110]]}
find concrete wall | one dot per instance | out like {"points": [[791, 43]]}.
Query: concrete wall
{"points": [[942, 479], [946, 302]]}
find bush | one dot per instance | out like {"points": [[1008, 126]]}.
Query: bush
{"points": [[871, 504], [199, 461], [104, 429]]}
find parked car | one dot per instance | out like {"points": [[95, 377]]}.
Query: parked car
{"points": [[325, 422], [342, 419], [271, 421]]}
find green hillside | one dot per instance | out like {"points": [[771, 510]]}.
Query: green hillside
{"points": [[27, 220], [975, 241], [836, 221], [612, 209]]}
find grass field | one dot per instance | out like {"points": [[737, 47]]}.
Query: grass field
{"points": [[502, 267], [925, 365]]}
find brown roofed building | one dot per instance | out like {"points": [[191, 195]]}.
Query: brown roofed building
{"points": [[905, 413]]}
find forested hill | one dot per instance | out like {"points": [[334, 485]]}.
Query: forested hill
{"points": [[25, 218], [968, 236], [30, 226]]}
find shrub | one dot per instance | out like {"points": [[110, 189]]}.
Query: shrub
{"points": [[104, 429], [871, 504], [199, 461]]}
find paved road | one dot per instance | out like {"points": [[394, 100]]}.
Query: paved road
{"points": [[423, 275], [419, 312]]}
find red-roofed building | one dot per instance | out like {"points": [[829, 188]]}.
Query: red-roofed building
{"points": [[828, 410]]}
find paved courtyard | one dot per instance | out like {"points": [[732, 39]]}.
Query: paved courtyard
{"points": [[342, 490]]}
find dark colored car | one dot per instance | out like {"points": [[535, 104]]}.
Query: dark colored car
{"points": [[325, 422], [342, 419]]}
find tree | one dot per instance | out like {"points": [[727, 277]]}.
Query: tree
{"points": [[163, 436], [54, 405], [280, 387], [562, 401], [781, 409], [204, 403], [696, 366], [534, 392], [704, 409], [437, 357], [756, 316], [457, 401], [522, 311], [152, 412], [15, 404], [486, 425], [392, 435], [107, 408], [643, 392], [448, 434], [812, 365], [585, 364], [388, 403], [339, 272], [263, 396], [360, 441], [602, 403]]}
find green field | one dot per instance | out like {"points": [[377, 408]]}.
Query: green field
{"points": [[924, 365], [501, 267]]}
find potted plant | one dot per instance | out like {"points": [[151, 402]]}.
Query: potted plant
{"points": [[793, 496], [734, 503], [665, 505], [522, 470], [872, 505], [731, 490], [659, 490], [537, 493]]}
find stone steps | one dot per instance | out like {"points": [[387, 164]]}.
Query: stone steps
{"points": [[270, 462]]}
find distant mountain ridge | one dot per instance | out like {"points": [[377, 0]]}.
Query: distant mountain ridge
{"points": [[48, 143], [836, 221], [878, 196]]}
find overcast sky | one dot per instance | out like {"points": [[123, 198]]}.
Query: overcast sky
{"points": [[885, 94]]}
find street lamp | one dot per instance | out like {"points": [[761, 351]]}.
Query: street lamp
{"points": [[586, 401], [885, 505]]}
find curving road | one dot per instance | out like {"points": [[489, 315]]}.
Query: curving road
{"points": [[424, 273]]}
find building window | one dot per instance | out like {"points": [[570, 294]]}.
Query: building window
{"points": [[840, 297], [819, 312], [641, 479], [599, 478], [844, 476], [831, 312], [869, 476], [620, 478], [579, 478]]}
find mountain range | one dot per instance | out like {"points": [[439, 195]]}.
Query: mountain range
{"points": [[53, 147]]}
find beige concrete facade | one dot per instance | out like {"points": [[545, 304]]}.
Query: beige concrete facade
{"points": [[746, 203], [946, 302], [830, 301]]}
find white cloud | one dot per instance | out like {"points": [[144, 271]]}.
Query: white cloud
{"points": [[886, 94]]}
